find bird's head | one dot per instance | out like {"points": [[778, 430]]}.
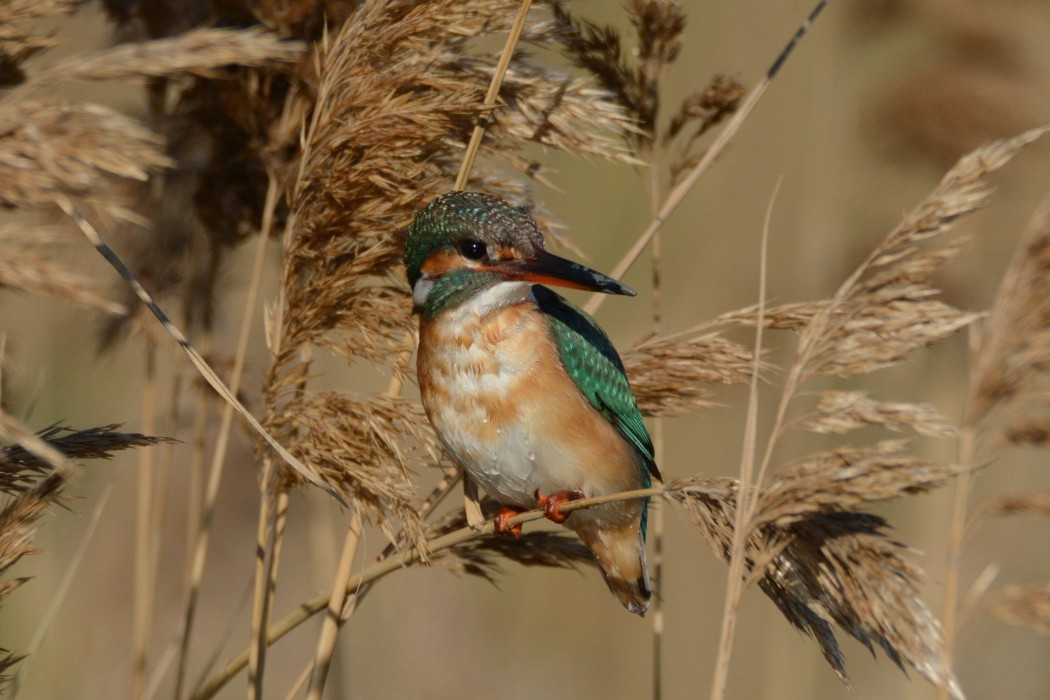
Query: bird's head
{"points": [[463, 243]]}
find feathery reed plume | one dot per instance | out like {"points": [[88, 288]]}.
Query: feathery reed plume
{"points": [[201, 53], [824, 564], [1027, 606], [19, 43], [1007, 405], [600, 50], [882, 312], [28, 265], [34, 469], [843, 411], [1010, 374], [47, 147], [670, 375], [1024, 504], [847, 478]]}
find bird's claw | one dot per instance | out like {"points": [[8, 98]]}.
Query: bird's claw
{"points": [[502, 522], [552, 504]]}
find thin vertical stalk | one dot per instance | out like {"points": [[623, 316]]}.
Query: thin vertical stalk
{"points": [[273, 509], [745, 495], [490, 97], [334, 617], [339, 608], [956, 534], [143, 601], [195, 480], [207, 513], [656, 508], [678, 194]]}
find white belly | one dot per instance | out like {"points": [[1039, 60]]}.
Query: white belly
{"points": [[511, 467]]}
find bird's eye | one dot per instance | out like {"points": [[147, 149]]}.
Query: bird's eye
{"points": [[471, 249]]}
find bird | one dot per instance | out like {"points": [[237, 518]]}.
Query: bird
{"points": [[525, 391]]}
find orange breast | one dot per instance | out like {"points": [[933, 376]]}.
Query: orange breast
{"points": [[496, 392]]}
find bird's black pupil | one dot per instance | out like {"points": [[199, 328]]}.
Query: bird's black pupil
{"points": [[472, 250]]}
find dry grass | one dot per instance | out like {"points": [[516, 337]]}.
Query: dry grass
{"points": [[326, 125]]}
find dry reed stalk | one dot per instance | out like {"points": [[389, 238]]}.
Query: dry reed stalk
{"points": [[334, 617], [741, 111], [659, 26], [460, 541], [493, 92], [144, 586], [741, 527], [272, 520], [218, 461], [199, 363], [1007, 404]]}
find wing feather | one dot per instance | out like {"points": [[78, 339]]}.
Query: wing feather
{"points": [[594, 366]]}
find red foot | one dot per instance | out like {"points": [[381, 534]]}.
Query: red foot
{"points": [[552, 504], [502, 522]]}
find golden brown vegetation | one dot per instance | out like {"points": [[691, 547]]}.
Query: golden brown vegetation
{"points": [[323, 125]]}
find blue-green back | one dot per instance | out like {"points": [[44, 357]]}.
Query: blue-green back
{"points": [[592, 363]]}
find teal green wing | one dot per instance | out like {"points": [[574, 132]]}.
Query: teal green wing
{"points": [[592, 363]]}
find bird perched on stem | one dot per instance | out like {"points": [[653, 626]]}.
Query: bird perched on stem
{"points": [[525, 391]]}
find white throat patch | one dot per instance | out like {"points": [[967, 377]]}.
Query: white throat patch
{"points": [[421, 291]]}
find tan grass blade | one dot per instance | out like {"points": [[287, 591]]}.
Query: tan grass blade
{"points": [[198, 362], [733, 125], [748, 484]]}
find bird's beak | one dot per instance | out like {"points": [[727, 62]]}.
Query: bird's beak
{"points": [[547, 268]]}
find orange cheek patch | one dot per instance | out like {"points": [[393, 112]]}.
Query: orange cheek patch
{"points": [[440, 263]]}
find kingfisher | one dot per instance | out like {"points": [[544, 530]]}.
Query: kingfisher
{"points": [[525, 391]]}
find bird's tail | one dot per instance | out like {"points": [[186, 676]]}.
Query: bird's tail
{"points": [[621, 557]]}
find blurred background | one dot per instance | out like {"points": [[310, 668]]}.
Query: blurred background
{"points": [[880, 99]]}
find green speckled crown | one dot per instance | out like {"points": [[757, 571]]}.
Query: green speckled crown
{"points": [[457, 215]]}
